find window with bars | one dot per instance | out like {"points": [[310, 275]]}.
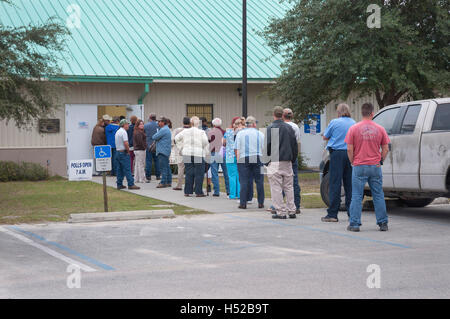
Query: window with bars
{"points": [[200, 110]]}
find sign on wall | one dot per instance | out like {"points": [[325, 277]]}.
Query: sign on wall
{"points": [[312, 126], [80, 170]]}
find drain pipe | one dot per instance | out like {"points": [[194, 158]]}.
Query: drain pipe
{"points": [[144, 94]]}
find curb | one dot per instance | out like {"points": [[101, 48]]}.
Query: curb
{"points": [[118, 216]]}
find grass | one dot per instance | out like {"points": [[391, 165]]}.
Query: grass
{"points": [[56, 199]]}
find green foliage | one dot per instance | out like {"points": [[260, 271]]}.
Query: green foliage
{"points": [[11, 171], [28, 56], [302, 165], [330, 51]]}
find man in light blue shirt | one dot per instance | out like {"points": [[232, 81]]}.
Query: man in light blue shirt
{"points": [[163, 140], [340, 167], [150, 129], [248, 145]]}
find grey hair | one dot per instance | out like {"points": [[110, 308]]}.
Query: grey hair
{"points": [[195, 121], [343, 110], [217, 122]]}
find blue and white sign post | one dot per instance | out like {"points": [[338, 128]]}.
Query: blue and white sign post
{"points": [[312, 125], [103, 163]]}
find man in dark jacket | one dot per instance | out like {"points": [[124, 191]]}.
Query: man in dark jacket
{"points": [[282, 151]]}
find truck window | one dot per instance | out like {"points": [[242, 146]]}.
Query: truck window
{"points": [[410, 119], [441, 120], [387, 119]]}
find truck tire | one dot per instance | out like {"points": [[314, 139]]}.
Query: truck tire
{"points": [[417, 202], [324, 187]]}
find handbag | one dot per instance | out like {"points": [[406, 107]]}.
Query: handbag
{"points": [[152, 148]]}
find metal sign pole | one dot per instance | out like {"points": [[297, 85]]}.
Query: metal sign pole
{"points": [[244, 59], [105, 193]]}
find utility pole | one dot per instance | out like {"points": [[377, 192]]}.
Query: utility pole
{"points": [[244, 59]]}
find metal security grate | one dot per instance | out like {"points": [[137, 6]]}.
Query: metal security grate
{"points": [[200, 110]]}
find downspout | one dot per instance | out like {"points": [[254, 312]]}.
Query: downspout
{"points": [[144, 94]]}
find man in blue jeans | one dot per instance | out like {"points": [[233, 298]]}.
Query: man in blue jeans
{"points": [[123, 161], [340, 167], [364, 141], [248, 147], [150, 129], [163, 140]]}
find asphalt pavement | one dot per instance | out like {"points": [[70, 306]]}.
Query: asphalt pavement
{"points": [[231, 255]]}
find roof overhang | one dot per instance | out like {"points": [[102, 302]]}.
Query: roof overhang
{"points": [[108, 79]]}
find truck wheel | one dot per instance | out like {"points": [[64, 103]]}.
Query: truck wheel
{"points": [[324, 186], [417, 202]]}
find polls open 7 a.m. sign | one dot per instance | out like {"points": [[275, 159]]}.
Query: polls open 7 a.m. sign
{"points": [[80, 170]]}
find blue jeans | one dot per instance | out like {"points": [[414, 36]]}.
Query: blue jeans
{"points": [[123, 164], [166, 172], [249, 170], [216, 160], [360, 176], [340, 171], [296, 184], [113, 162], [195, 172], [233, 177], [150, 157]]}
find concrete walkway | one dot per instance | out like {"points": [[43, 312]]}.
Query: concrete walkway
{"points": [[210, 204]]}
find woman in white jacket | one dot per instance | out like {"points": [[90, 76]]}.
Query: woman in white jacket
{"points": [[195, 147]]}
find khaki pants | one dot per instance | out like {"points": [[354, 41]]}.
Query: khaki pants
{"points": [[281, 179], [139, 167], [180, 175]]}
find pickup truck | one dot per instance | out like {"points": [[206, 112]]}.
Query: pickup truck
{"points": [[417, 168]]}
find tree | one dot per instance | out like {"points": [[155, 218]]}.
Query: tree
{"points": [[27, 61], [330, 48]]}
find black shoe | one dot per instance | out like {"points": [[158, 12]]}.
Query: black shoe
{"points": [[353, 228], [216, 195], [260, 205], [327, 219], [292, 216], [121, 187], [276, 216], [298, 211], [383, 227], [242, 207], [158, 178]]}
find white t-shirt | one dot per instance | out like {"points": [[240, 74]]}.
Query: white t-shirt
{"points": [[121, 137], [296, 130]]}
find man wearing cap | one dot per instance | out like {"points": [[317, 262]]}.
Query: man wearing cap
{"points": [[163, 140], [110, 132], [248, 145], [150, 129], [215, 138], [133, 120], [282, 151], [123, 157]]}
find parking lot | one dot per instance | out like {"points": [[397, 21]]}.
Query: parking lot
{"points": [[236, 255]]}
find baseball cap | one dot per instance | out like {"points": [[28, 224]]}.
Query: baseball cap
{"points": [[106, 117], [123, 122]]}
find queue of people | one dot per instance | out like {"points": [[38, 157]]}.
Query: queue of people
{"points": [[242, 151]]}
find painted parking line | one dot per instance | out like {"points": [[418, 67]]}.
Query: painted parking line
{"points": [[323, 231], [47, 250], [68, 250]]}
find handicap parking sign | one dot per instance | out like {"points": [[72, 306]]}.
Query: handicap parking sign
{"points": [[312, 126], [103, 158], [103, 151]]}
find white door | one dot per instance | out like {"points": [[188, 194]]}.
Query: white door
{"points": [[80, 121], [137, 110]]}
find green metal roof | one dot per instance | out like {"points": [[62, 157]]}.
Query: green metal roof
{"points": [[140, 40]]}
